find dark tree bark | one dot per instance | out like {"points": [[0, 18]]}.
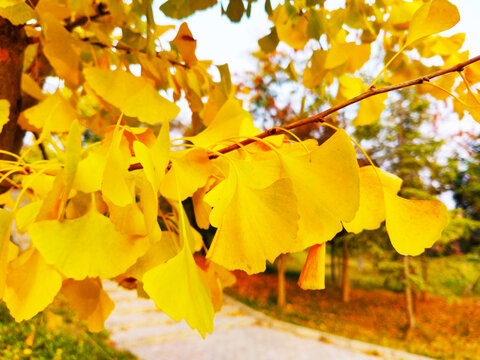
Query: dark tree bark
{"points": [[282, 292], [346, 276], [13, 42], [332, 262], [408, 297]]}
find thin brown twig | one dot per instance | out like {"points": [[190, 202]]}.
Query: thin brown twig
{"points": [[320, 117], [129, 50], [101, 11]]}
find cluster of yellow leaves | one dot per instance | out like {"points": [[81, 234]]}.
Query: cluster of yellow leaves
{"points": [[264, 201], [114, 208]]}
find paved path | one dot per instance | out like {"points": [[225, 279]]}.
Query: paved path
{"points": [[239, 334]]}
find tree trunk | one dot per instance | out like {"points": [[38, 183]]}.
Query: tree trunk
{"points": [[332, 262], [282, 293], [13, 42], [408, 297], [346, 276], [424, 262]]}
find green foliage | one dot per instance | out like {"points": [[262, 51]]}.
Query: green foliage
{"points": [[35, 339]]}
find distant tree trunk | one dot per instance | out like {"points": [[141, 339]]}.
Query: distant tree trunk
{"points": [[408, 296], [282, 292], [346, 276], [424, 262], [332, 261], [13, 42]]}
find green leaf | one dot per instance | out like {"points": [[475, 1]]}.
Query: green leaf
{"points": [[180, 9]]}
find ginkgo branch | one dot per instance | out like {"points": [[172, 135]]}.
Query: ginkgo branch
{"points": [[372, 91]]}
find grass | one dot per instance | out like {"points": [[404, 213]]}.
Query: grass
{"points": [[53, 334], [448, 325]]}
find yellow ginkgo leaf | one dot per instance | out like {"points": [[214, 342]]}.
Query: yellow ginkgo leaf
{"points": [[31, 87], [312, 276], [133, 95], [26, 215], [413, 225], [371, 212], [269, 214], [4, 113], [370, 110], [87, 177], [231, 121], [327, 189], [6, 218], [149, 205], [128, 219], [432, 18], [32, 284], [158, 253], [90, 301], [189, 172], [186, 44], [54, 114], [177, 289], [291, 31], [72, 153], [7, 3], [155, 159], [7, 200], [118, 184], [87, 246], [61, 49], [402, 13], [338, 54]]}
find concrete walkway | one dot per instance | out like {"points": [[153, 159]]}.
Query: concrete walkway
{"points": [[240, 333]]}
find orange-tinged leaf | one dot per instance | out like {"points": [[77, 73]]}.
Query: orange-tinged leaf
{"points": [[133, 95], [231, 121], [4, 113], [371, 211], [312, 276], [32, 284], [186, 44], [90, 301], [327, 189], [87, 246], [189, 172], [254, 225], [432, 18], [177, 289], [370, 110], [413, 225]]}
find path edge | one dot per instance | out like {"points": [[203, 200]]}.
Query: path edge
{"points": [[301, 331]]}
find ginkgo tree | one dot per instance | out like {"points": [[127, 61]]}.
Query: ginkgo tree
{"points": [[112, 209]]}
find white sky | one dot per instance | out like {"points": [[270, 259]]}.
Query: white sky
{"points": [[222, 41]]}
